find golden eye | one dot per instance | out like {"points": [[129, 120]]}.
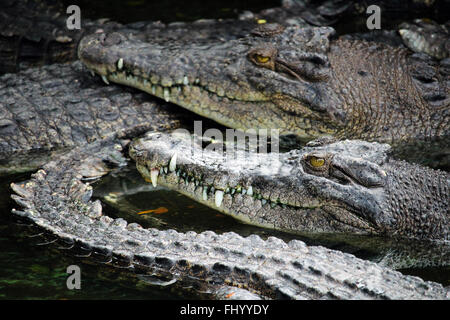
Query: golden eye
{"points": [[316, 162], [261, 59]]}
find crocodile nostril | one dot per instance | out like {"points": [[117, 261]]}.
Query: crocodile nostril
{"points": [[111, 39], [102, 37]]}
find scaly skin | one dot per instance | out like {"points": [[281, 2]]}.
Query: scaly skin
{"points": [[311, 85], [56, 200], [343, 187], [45, 111]]}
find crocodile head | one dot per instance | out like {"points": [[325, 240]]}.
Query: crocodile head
{"points": [[337, 188], [275, 77]]}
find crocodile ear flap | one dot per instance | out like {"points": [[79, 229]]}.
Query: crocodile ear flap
{"points": [[312, 67], [366, 173], [312, 39]]}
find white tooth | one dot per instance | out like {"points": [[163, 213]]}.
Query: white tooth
{"points": [[219, 197], [185, 81], [205, 195], [166, 94], [154, 176], [250, 191], [153, 89], [105, 80], [173, 163], [92, 73], [120, 64]]}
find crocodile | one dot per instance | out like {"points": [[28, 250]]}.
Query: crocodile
{"points": [[348, 186], [57, 199], [124, 193], [299, 80]]}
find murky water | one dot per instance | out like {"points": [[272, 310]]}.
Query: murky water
{"points": [[31, 269]]}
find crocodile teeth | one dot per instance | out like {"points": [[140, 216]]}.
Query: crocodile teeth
{"points": [[120, 64], [92, 73], [185, 81], [204, 195], [154, 176], [173, 163], [105, 80], [250, 191], [166, 94], [219, 197]]}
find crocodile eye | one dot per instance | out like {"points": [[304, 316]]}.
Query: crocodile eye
{"points": [[316, 162], [262, 59]]}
